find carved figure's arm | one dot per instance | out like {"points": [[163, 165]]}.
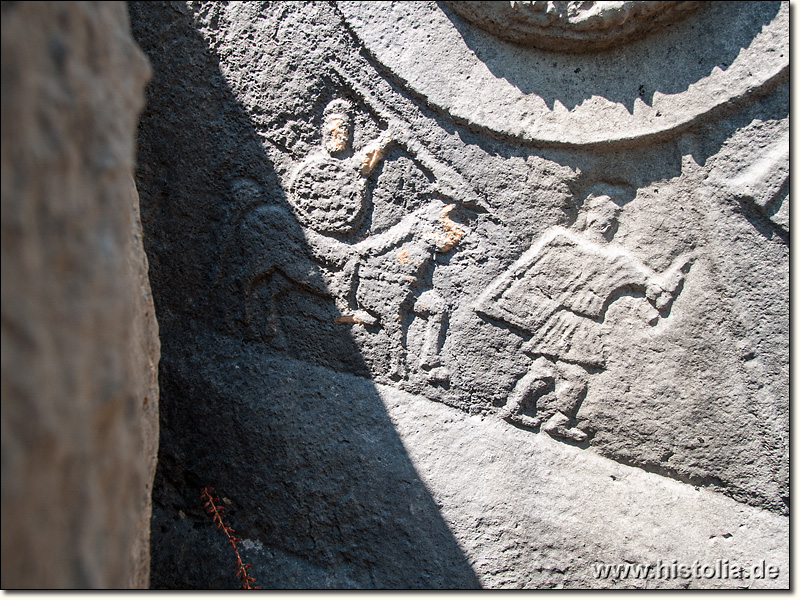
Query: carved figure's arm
{"points": [[388, 239], [429, 222], [374, 152], [328, 249]]}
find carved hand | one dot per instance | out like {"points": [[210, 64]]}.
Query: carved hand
{"points": [[396, 132], [659, 297]]}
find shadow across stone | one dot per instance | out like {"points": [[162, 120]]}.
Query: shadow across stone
{"points": [[314, 476], [620, 74]]}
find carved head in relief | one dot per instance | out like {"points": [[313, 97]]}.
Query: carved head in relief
{"points": [[601, 217], [600, 211], [337, 128]]}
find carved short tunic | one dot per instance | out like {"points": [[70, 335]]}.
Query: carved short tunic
{"points": [[559, 291]]}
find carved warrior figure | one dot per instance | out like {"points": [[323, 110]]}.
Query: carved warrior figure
{"points": [[328, 191], [558, 291], [375, 279], [374, 282]]}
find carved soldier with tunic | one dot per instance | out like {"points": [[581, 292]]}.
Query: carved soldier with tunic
{"points": [[558, 292], [375, 278]]}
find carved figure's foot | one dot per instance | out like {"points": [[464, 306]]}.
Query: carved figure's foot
{"points": [[518, 419], [358, 317], [438, 375], [430, 362], [271, 334], [556, 426], [364, 318]]}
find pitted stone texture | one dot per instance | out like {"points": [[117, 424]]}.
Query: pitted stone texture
{"points": [[79, 336], [662, 338]]}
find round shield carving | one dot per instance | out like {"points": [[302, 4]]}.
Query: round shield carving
{"points": [[328, 195]]}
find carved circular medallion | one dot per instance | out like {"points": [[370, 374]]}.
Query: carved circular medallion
{"points": [[648, 88], [328, 195], [572, 26]]}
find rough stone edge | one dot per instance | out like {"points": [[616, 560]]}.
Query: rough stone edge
{"points": [[149, 346]]}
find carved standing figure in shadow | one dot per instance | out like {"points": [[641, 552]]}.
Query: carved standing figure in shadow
{"points": [[558, 292], [374, 282]]}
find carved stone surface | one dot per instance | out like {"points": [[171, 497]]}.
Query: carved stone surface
{"points": [[646, 89], [348, 222], [572, 26], [79, 337]]}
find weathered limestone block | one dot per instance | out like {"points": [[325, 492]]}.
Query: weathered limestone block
{"points": [[585, 245], [79, 338]]}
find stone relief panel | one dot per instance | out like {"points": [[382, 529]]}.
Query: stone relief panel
{"points": [[593, 247], [498, 286]]}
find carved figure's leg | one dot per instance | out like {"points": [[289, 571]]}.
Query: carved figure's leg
{"points": [[538, 378], [342, 286], [261, 308], [430, 351], [431, 305], [558, 426], [393, 325], [351, 276], [569, 395]]}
